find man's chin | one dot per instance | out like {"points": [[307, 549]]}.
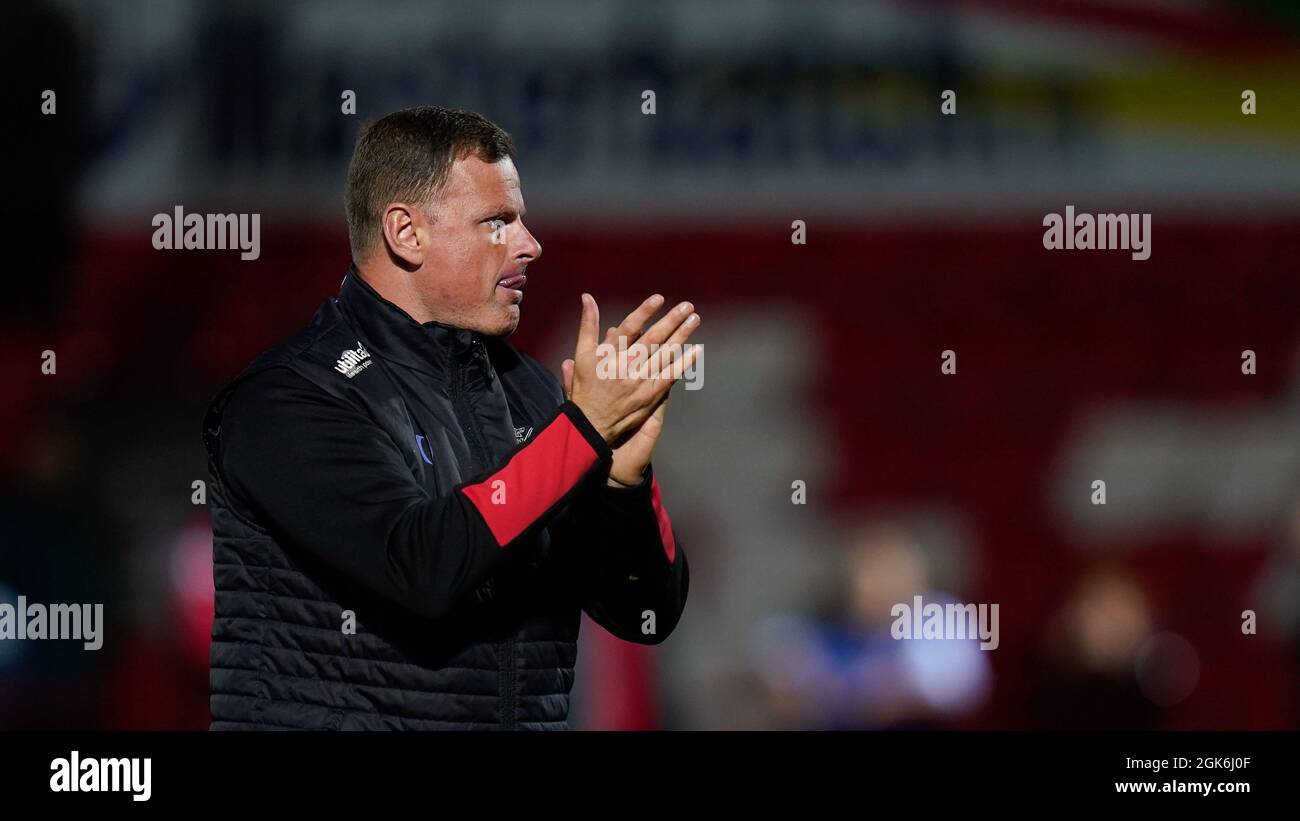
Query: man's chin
{"points": [[506, 324]]}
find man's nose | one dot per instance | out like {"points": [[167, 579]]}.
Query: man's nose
{"points": [[529, 248]]}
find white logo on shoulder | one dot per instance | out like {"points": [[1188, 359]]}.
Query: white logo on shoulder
{"points": [[353, 362], [522, 433]]}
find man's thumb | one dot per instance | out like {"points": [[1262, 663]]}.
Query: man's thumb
{"points": [[566, 368], [589, 325]]}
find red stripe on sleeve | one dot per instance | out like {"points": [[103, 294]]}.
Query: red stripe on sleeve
{"points": [[665, 526], [534, 479]]}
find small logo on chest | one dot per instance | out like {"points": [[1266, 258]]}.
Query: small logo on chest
{"points": [[353, 362], [521, 434]]}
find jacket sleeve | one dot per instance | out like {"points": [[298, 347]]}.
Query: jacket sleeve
{"points": [[323, 475], [631, 568]]}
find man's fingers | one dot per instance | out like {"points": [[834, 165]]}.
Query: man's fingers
{"points": [[672, 349], [633, 324], [566, 369], [659, 365], [683, 331], [670, 321], [686, 363], [651, 367], [670, 363], [589, 325]]}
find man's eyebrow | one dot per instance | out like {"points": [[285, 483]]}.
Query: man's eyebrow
{"points": [[505, 211]]}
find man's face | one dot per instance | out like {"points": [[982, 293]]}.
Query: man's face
{"points": [[475, 276]]}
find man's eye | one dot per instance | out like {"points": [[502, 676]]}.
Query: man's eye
{"points": [[496, 224]]}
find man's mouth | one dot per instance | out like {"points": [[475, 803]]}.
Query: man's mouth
{"points": [[513, 283]]}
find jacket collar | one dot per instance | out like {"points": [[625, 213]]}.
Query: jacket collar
{"points": [[392, 334]]}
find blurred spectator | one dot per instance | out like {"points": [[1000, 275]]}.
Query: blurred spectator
{"points": [[1086, 673], [846, 671]]}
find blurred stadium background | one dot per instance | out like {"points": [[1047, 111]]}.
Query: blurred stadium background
{"points": [[923, 234]]}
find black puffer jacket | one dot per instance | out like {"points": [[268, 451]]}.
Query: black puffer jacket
{"points": [[407, 521]]}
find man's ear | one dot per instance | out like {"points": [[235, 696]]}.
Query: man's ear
{"points": [[402, 234]]}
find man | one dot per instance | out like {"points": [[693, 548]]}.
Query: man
{"points": [[408, 513]]}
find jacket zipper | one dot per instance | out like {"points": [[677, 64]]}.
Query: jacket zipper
{"points": [[461, 404], [507, 648]]}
